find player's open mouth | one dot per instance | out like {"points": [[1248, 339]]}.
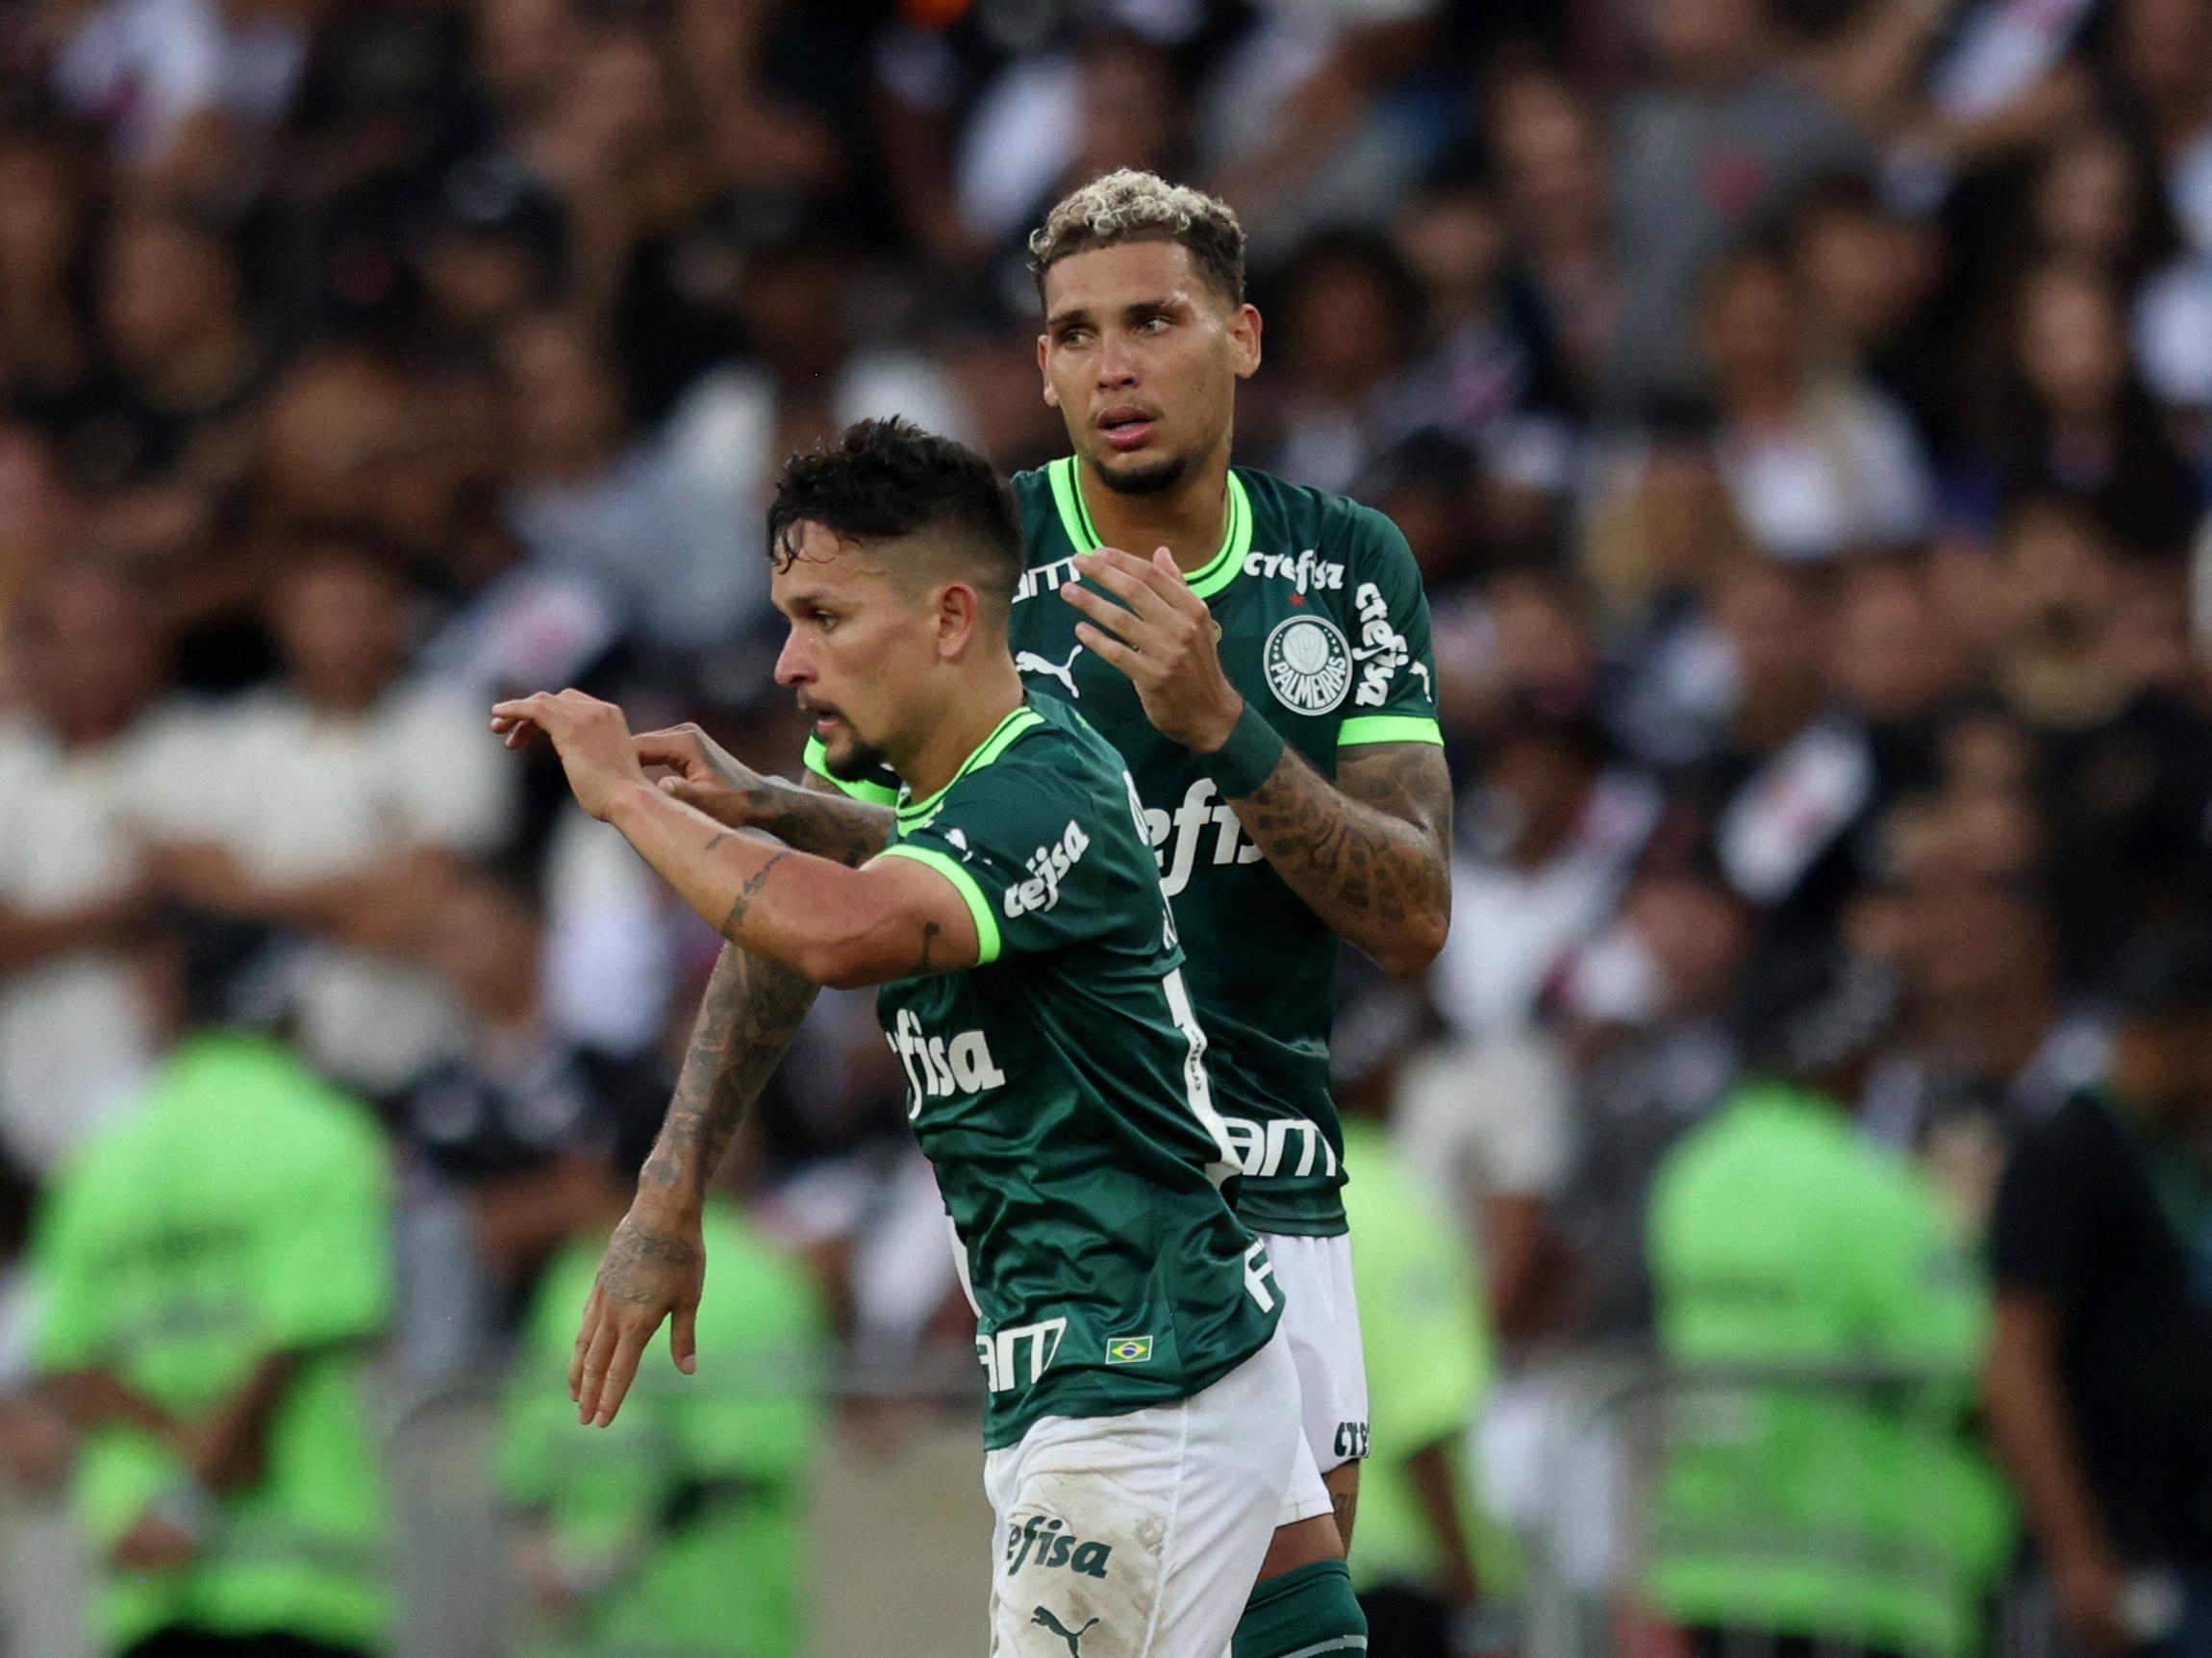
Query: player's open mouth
{"points": [[1125, 429]]}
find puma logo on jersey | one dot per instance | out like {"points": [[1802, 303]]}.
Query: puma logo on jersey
{"points": [[1264, 1148], [1307, 572], [1186, 826], [1030, 662], [1047, 867], [1073, 1636], [1002, 1354], [938, 1068], [1382, 650], [1043, 1541]]}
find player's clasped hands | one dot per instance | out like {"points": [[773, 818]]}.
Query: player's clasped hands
{"points": [[1161, 634], [592, 738]]}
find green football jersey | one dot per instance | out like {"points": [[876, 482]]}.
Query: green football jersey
{"points": [[1059, 1087], [1323, 628]]}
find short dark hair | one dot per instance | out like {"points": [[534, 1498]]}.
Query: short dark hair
{"points": [[883, 480]]}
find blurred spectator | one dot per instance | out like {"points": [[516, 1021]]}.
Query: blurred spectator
{"points": [[1551, 837], [2163, 52], [183, 363], [1792, 787], [208, 1272], [1870, 277], [1428, 1361], [2103, 1358], [90, 766], [1779, 1238], [506, 1138], [1649, 999], [1352, 312], [184, 88], [1301, 128], [37, 517], [1719, 136], [1488, 377], [1997, 1050], [2121, 774], [680, 1529], [1819, 465], [1552, 174], [344, 796], [46, 337], [2068, 412]]}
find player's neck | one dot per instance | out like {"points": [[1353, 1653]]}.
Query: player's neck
{"points": [[1189, 520], [981, 704]]}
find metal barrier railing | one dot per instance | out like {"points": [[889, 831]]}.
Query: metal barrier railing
{"points": [[1767, 1510], [1635, 1457]]}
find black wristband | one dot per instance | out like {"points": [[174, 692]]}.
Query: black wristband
{"points": [[1241, 765]]}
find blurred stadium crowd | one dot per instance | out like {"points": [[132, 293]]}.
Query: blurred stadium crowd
{"points": [[1801, 411]]}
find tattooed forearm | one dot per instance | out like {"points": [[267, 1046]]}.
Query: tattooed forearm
{"points": [[814, 817], [1369, 853], [746, 893], [750, 1013]]}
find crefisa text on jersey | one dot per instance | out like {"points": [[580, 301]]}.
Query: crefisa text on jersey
{"points": [[1047, 867], [1308, 572]]}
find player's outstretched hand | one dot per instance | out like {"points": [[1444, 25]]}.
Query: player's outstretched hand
{"points": [[652, 1269], [591, 738], [703, 773], [1162, 635]]}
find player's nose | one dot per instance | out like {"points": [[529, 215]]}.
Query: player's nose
{"points": [[1117, 363], [791, 664]]}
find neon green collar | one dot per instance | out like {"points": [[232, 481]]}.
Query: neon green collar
{"points": [[1210, 577], [913, 814]]}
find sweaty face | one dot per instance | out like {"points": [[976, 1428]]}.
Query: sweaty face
{"points": [[1141, 357], [861, 646]]}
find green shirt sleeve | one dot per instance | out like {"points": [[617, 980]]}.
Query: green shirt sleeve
{"points": [[325, 1260], [71, 1320], [1015, 839], [1393, 660]]}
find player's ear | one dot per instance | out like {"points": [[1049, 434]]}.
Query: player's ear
{"points": [[959, 619], [1044, 351], [1244, 329]]}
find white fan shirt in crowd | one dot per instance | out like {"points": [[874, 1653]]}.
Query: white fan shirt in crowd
{"points": [[298, 795], [1486, 1118], [1846, 475], [1514, 927], [146, 68], [75, 1046]]}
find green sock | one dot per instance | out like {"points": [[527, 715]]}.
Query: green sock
{"points": [[1308, 1612]]}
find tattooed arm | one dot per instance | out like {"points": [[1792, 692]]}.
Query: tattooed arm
{"points": [[1369, 853], [815, 815], [790, 923]]}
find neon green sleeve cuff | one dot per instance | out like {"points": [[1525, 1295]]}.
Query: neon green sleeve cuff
{"points": [[978, 906], [874, 793], [1390, 728]]}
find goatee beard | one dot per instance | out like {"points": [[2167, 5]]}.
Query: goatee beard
{"points": [[1147, 478], [856, 766]]}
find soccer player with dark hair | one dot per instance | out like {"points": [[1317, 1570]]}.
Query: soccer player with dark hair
{"points": [[1141, 1422], [1267, 676]]}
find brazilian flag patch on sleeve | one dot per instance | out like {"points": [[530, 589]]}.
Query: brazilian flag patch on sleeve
{"points": [[1129, 1350]]}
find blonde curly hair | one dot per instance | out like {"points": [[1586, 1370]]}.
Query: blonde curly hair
{"points": [[1132, 206]]}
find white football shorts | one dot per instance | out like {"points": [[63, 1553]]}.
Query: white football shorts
{"points": [[1139, 1536]]}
